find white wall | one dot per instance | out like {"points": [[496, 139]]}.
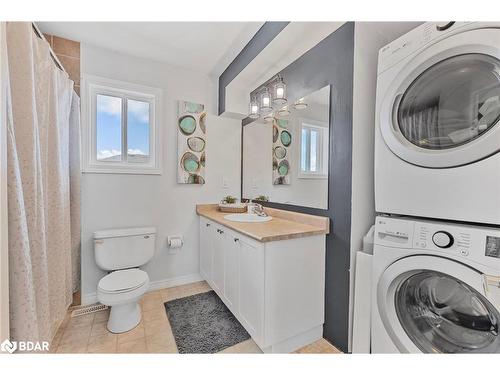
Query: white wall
{"points": [[258, 155], [114, 201], [369, 37]]}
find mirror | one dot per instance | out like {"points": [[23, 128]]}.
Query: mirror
{"points": [[285, 153]]}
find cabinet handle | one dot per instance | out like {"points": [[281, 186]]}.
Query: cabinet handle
{"points": [[236, 239], [207, 224]]}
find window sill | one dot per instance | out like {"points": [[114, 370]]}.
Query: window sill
{"points": [[122, 170], [313, 176]]}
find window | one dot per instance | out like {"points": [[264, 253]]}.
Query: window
{"points": [[121, 130], [313, 149]]}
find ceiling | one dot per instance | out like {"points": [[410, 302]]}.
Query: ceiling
{"points": [[206, 47]]}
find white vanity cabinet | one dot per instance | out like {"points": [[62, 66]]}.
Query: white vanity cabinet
{"points": [[275, 289]]}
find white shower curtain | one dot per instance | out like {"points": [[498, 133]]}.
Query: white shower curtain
{"points": [[43, 187]]}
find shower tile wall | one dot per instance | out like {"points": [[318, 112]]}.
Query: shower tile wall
{"points": [[68, 53]]}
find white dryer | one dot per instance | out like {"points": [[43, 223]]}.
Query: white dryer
{"points": [[435, 287], [437, 138]]}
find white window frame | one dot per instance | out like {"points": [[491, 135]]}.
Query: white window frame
{"points": [[323, 130], [93, 86]]}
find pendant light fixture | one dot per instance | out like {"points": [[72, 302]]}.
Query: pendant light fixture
{"points": [[253, 109], [272, 94], [279, 94], [300, 104], [265, 101]]}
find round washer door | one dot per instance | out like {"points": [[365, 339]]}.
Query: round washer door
{"points": [[442, 109], [431, 304]]}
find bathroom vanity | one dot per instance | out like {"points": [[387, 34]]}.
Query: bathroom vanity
{"points": [[271, 275]]}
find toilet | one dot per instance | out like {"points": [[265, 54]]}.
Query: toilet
{"points": [[122, 252]]}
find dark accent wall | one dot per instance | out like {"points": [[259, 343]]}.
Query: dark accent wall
{"points": [[331, 62], [260, 40]]}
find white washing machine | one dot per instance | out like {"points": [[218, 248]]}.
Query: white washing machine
{"points": [[437, 137], [436, 287]]}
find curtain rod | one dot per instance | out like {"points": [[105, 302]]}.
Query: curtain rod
{"points": [[52, 53]]}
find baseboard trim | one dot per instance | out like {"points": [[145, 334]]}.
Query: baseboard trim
{"points": [[91, 298], [175, 281], [296, 342]]}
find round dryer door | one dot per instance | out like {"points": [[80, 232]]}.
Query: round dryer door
{"points": [[443, 108], [436, 305]]}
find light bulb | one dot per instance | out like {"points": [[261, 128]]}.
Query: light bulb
{"points": [[253, 109], [265, 101], [279, 97]]}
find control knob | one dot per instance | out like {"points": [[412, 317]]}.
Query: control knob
{"points": [[442, 239]]}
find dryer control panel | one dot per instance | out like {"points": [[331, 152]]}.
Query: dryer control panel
{"points": [[479, 244], [414, 40]]}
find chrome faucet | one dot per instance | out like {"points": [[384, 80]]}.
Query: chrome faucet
{"points": [[257, 209]]}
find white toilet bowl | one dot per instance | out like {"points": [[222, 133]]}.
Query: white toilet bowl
{"points": [[121, 252], [122, 290]]}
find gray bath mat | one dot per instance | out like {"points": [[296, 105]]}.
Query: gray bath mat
{"points": [[203, 324]]}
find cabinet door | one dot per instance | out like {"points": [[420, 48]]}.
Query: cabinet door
{"points": [[251, 288], [231, 256], [206, 250], [218, 261]]}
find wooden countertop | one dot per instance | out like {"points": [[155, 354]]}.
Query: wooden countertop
{"points": [[285, 225]]}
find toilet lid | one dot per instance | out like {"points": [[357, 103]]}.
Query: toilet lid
{"points": [[123, 280]]}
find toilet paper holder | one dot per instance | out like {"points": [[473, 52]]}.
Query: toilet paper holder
{"points": [[175, 242]]}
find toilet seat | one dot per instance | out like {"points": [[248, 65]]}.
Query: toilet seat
{"points": [[123, 281], [122, 290], [122, 287]]}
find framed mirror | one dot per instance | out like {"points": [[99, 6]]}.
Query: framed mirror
{"points": [[286, 153]]}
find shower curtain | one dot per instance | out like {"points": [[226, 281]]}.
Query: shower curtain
{"points": [[43, 187]]}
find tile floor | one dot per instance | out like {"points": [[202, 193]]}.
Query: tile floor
{"points": [[88, 333]]}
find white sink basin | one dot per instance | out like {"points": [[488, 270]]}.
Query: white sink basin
{"points": [[247, 218]]}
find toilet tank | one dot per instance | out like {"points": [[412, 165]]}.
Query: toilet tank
{"points": [[116, 249]]}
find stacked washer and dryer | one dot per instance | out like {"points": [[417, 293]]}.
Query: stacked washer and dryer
{"points": [[436, 262]]}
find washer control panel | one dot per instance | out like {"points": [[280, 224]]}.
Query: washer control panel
{"points": [[441, 237], [480, 244]]}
